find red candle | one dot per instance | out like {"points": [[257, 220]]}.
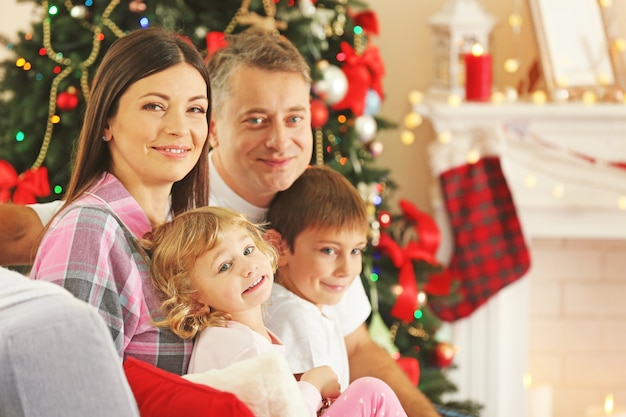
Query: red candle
{"points": [[477, 75]]}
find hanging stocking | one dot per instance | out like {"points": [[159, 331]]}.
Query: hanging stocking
{"points": [[489, 247]]}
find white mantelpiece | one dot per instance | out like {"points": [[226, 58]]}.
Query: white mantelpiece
{"points": [[522, 133], [549, 142]]}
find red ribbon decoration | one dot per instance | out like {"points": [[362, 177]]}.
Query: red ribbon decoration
{"points": [[8, 180], [29, 185], [423, 249], [214, 41], [363, 72], [368, 21]]}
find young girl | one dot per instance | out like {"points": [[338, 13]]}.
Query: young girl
{"points": [[216, 271]]}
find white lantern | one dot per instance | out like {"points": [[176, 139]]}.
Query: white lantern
{"points": [[456, 27]]}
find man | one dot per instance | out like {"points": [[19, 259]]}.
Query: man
{"points": [[262, 141]]}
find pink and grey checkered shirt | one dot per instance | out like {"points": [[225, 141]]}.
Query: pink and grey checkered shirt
{"points": [[90, 249]]}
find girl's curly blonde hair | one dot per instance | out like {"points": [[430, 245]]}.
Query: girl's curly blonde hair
{"points": [[174, 248]]}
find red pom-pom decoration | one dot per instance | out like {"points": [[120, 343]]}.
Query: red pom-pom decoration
{"points": [[67, 101], [319, 113]]}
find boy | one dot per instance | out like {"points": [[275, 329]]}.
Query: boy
{"points": [[320, 226]]}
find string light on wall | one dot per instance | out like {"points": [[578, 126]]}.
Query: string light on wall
{"points": [[512, 64], [617, 44]]}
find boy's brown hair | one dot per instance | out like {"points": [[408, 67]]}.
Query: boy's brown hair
{"points": [[321, 198]]}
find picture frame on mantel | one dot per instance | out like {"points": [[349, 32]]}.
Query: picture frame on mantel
{"points": [[575, 51]]}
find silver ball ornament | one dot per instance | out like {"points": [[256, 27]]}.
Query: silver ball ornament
{"points": [[333, 86], [366, 127]]}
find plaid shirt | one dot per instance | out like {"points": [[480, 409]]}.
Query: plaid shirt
{"points": [[90, 249]]}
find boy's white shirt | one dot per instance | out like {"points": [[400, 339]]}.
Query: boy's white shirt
{"points": [[312, 338]]}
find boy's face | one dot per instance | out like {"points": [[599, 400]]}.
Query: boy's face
{"points": [[234, 277], [322, 264]]}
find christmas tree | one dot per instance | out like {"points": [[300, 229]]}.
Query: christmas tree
{"points": [[47, 83]]}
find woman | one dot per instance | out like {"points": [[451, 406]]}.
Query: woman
{"points": [[141, 158]]}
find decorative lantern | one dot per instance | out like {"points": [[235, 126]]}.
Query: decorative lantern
{"points": [[457, 26]]}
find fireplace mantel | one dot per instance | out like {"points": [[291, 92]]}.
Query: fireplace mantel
{"points": [[572, 196]]}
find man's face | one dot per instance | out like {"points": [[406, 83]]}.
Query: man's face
{"points": [[261, 136]]}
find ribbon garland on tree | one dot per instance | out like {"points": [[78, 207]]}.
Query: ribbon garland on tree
{"points": [[424, 249]]}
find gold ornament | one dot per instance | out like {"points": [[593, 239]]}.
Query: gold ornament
{"points": [[245, 17]]}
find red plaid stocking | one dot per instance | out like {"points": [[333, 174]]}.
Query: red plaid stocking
{"points": [[489, 247]]}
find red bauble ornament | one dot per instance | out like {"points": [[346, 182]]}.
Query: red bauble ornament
{"points": [[384, 218], [444, 354], [319, 113], [67, 101]]}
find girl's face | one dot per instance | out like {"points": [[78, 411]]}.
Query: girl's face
{"points": [[160, 128], [234, 277], [322, 264]]}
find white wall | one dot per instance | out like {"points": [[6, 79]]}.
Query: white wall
{"points": [[15, 16]]}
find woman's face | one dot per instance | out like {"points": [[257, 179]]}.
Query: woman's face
{"points": [[160, 128]]}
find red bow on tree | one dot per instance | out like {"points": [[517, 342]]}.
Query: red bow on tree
{"points": [[422, 249], [215, 41], [28, 186], [363, 72], [368, 21]]}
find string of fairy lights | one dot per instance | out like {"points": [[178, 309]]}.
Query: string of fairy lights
{"points": [[66, 66]]}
